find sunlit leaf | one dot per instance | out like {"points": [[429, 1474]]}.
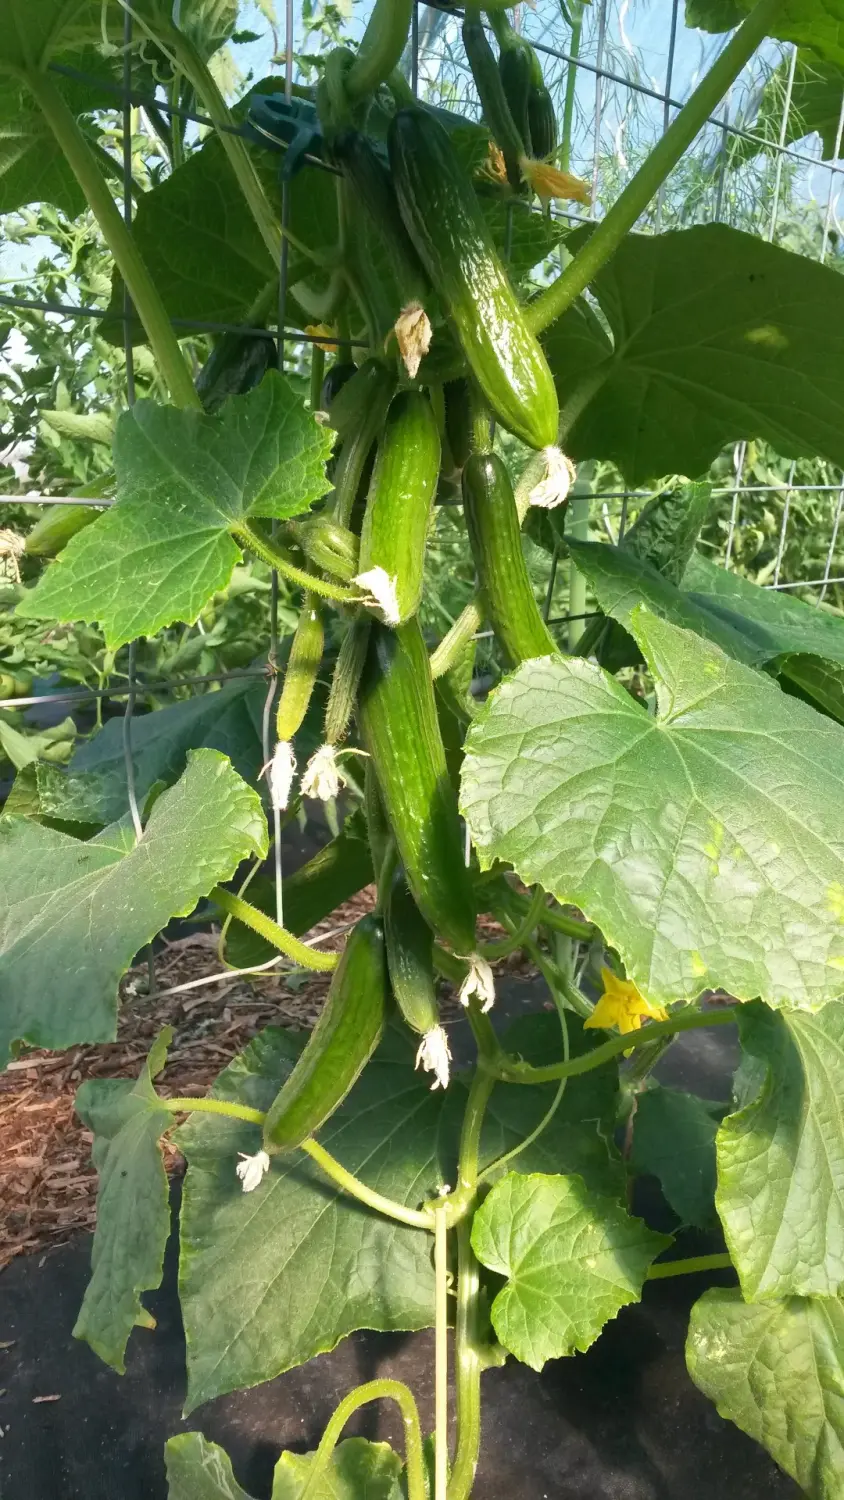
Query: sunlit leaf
{"points": [[776, 1370], [73, 915], [707, 840], [818, 24]]}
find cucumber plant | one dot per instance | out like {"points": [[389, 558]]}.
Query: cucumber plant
{"points": [[682, 841]]}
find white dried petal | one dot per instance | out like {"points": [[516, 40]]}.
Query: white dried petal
{"points": [[560, 475], [413, 334], [434, 1055], [281, 773], [382, 591], [322, 777], [251, 1169], [479, 982]]}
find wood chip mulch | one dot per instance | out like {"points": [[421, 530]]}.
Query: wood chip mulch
{"points": [[48, 1186]]}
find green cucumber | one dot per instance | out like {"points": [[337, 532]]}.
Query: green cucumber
{"points": [[354, 456], [52, 533], [543, 122], [410, 957], [356, 397], [493, 523], [340, 374], [373, 186], [515, 71], [340, 1045], [444, 220], [400, 500], [458, 419], [335, 874], [342, 695], [302, 667], [496, 109], [397, 715], [237, 363]]}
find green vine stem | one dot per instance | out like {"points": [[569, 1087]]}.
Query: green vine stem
{"points": [[374, 1390], [271, 553], [415, 1218], [441, 1350], [690, 1267], [519, 931], [468, 1354], [508, 1156], [552, 303], [519, 1072], [139, 284], [213, 1107], [558, 921], [564, 157], [186, 58], [284, 941], [381, 47]]}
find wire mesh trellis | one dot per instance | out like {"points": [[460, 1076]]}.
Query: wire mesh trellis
{"points": [[612, 98]]}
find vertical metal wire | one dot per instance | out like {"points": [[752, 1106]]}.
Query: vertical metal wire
{"points": [[599, 104], [721, 177], [784, 525], [130, 397], [272, 656], [414, 48], [666, 109], [781, 153], [739, 455], [831, 553], [833, 189]]}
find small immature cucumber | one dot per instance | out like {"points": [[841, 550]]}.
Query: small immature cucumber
{"points": [[373, 185], [543, 122], [331, 547], [444, 220], [458, 419], [348, 667], [515, 69], [340, 1045], [496, 109], [410, 957], [302, 667], [397, 715], [339, 375], [401, 498], [493, 523], [53, 532], [237, 363]]}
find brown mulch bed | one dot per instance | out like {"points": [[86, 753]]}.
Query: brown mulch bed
{"points": [[48, 1186]]}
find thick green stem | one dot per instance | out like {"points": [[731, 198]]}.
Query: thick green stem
{"points": [[603, 243], [415, 1218], [270, 553], [381, 47], [520, 931], [139, 284], [317, 373], [518, 1072], [374, 1390], [468, 1355], [300, 953], [577, 525], [198, 74], [508, 1156], [690, 1267], [564, 157], [441, 1351], [214, 1107]]}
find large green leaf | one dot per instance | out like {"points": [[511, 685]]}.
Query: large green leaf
{"points": [[572, 1259], [359, 1470], [73, 915], [133, 1207], [709, 327], [706, 841], [184, 481], [271, 1280], [818, 24], [93, 788], [816, 93], [781, 1157], [773, 618], [674, 1140], [777, 1371]]}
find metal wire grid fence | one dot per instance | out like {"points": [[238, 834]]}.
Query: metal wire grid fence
{"points": [[599, 82]]}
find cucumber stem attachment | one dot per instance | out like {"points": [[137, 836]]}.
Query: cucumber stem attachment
{"points": [[271, 553], [415, 1218], [600, 246], [519, 1072], [139, 284], [374, 1390], [213, 1107], [290, 946], [381, 47]]}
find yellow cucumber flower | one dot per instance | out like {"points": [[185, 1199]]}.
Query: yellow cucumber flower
{"points": [[323, 336], [548, 182], [622, 1005]]}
